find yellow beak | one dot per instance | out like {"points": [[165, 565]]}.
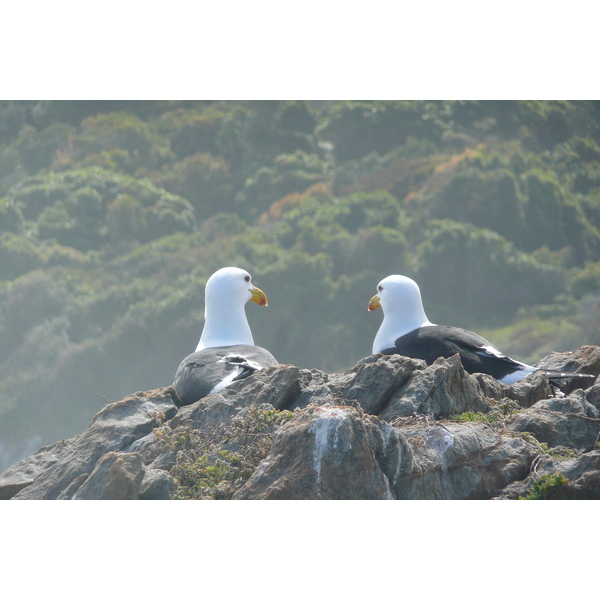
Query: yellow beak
{"points": [[259, 297], [374, 302]]}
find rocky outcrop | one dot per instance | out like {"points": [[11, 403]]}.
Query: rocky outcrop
{"points": [[331, 452], [389, 428], [55, 469]]}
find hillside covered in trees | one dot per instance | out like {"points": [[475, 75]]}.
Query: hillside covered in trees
{"points": [[113, 214]]}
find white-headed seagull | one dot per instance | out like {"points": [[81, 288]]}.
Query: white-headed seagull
{"points": [[406, 330], [226, 350]]}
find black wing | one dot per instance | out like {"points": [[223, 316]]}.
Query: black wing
{"points": [[208, 370], [476, 353]]}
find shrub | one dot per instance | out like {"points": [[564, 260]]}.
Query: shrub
{"points": [[126, 218], [39, 149], [545, 486], [215, 464], [11, 217], [18, 255], [469, 276], [357, 128], [489, 199], [123, 131], [204, 180], [290, 173]]}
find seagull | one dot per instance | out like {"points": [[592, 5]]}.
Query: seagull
{"points": [[226, 351], [406, 330]]}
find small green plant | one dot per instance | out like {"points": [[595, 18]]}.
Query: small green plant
{"points": [[528, 437], [507, 408], [474, 417], [558, 452], [544, 486], [217, 476], [214, 464], [496, 415], [178, 439]]}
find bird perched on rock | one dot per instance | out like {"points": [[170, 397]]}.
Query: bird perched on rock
{"points": [[226, 350], [406, 330]]}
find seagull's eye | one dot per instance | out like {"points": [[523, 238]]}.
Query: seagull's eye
{"points": [[380, 288], [247, 278]]}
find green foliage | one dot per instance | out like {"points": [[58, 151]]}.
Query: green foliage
{"points": [[357, 128], [126, 218], [545, 486], [170, 214], [499, 412], [518, 194], [557, 452], [11, 217], [89, 208], [585, 280], [204, 180], [116, 159], [215, 465], [123, 131], [18, 255], [194, 129], [555, 221], [473, 417], [487, 199], [40, 149], [481, 274], [289, 173], [13, 116], [26, 304]]}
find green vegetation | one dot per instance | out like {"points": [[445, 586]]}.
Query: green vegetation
{"points": [[544, 486], [499, 412], [474, 417], [557, 452], [214, 466], [113, 215]]}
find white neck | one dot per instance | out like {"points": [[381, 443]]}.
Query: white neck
{"points": [[225, 324], [398, 323]]}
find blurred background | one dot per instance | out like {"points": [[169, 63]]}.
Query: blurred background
{"points": [[114, 213]]}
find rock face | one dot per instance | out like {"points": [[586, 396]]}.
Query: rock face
{"points": [[389, 428], [316, 454]]}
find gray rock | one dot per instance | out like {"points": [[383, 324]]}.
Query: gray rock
{"points": [[25, 472], [116, 476], [462, 461], [331, 452], [157, 485], [441, 389], [530, 390], [576, 403], [571, 421], [71, 489], [315, 386], [584, 360], [113, 429], [374, 379], [592, 395], [582, 473], [276, 386]]}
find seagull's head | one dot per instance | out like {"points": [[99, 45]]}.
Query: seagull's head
{"points": [[231, 283], [396, 293]]}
